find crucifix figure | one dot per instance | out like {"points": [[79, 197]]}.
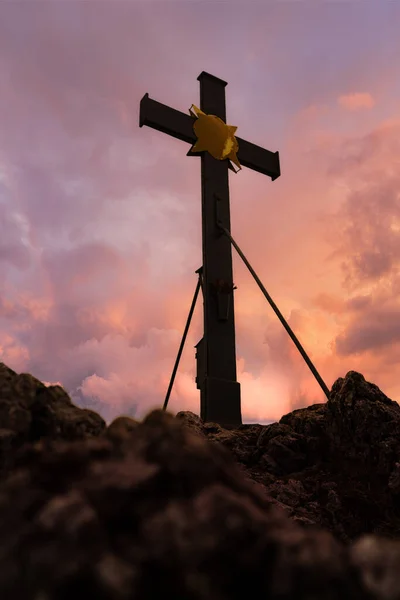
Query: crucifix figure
{"points": [[212, 139]]}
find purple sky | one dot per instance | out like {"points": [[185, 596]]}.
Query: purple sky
{"points": [[100, 220]]}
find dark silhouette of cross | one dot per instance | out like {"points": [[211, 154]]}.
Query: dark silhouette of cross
{"points": [[216, 352]]}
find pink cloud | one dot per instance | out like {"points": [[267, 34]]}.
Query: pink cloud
{"points": [[329, 303], [100, 221], [356, 101]]}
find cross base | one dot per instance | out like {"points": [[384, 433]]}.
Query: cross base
{"points": [[220, 402]]}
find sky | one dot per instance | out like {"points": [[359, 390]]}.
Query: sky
{"points": [[100, 220]]}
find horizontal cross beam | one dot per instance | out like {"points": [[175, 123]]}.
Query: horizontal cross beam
{"points": [[180, 126]]}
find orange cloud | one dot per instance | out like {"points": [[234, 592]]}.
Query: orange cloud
{"points": [[96, 291], [329, 303], [356, 101]]}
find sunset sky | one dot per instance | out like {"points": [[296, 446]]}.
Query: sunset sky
{"points": [[100, 220]]}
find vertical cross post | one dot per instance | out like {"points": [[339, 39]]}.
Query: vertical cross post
{"points": [[220, 392]]}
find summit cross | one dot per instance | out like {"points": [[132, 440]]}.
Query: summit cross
{"points": [[216, 352]]}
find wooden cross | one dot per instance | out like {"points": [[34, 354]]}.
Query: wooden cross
{"points": [[219, 389]]}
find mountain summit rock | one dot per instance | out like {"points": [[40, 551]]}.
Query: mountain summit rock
{"points": [[174, 506]]}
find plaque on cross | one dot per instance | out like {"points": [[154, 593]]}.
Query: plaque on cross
{"points": [[212, 139]]}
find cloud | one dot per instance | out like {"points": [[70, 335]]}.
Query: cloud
{"points": [[14, 251], [100, 220], [359, 303], [329, 303], [366, 226], [361, 159], [356, 101], [374, 329], [364, 230]]}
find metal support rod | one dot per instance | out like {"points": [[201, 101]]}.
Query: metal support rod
{"points": [[171, 383], [278, 313]]}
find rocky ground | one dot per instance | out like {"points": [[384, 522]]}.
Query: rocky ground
{"points": [[172, 506]]}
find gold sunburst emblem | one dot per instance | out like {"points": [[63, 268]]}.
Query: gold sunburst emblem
{"points": [[214, 136]]}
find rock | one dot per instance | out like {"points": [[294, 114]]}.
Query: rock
{"points": [[378, 560], [192, 421], [30, 411], [394, 480], [165, 513], [344, 453], [181, 507], [121, 428]]}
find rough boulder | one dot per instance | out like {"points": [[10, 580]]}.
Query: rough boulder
{"points": [[174, 506]]}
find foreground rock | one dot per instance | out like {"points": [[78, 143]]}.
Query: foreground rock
{"points": [[163, 513], [336, 465], [143, 510], [30, 411]]}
